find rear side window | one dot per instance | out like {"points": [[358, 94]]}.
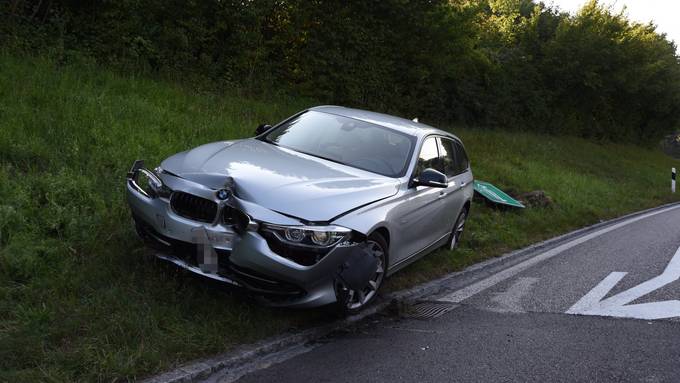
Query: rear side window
{"points": [[448, 157], [453, 157]]}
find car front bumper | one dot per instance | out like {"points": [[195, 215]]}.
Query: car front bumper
{"points": [[244, 258]]}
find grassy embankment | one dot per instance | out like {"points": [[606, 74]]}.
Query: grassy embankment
{"points": [[81, 300]]}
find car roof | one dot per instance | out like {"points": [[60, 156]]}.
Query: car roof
{"points": [[386, 120]]}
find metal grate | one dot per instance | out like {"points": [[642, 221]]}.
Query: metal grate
{"points": [[193, 207], [429, 309]]}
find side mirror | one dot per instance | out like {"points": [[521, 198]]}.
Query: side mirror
{"points": [[432, 178], [262, 128]]}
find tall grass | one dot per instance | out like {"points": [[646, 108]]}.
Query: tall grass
{"points": [[80, 298]]}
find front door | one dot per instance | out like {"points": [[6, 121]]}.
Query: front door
{"points": [[419, 217]]}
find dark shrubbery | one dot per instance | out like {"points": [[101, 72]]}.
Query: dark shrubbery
{"points": [[507, 63]]}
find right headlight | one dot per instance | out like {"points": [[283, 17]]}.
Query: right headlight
{"points": [[147, 182], [312, 236]]}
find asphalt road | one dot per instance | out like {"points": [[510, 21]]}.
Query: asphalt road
{"points": [[509, 322]]}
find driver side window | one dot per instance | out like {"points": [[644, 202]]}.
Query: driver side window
{"points": [[428, 157]]}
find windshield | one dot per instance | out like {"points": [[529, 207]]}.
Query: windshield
{"points": [[347, 141]]}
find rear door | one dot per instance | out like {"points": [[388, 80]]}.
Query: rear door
{"points": [[455, 164]]}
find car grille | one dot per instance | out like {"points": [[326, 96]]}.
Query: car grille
{"points": [[193, 207]]}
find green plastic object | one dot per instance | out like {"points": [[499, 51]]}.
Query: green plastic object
{"points": [[495, 194]]}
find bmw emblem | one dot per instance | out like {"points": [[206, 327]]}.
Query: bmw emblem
{"points": [[223, 194]]}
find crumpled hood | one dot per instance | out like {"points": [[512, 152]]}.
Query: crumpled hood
{"points": [[282, 180]]}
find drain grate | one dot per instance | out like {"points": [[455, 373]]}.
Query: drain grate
{"points": [[429, 309]]}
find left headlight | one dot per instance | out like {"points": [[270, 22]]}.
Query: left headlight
{"points": [[310, 236]]}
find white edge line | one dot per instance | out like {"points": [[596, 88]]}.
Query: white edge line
{"points": [[477, 287]]}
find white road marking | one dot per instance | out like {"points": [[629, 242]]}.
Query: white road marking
{"points": [[477, 287], [618, 305]]}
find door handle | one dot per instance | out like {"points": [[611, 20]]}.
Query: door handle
{"points": [[442, 194]]}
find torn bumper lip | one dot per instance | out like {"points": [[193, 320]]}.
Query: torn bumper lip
{"points": [[252, 266], [194, 269], [251, 252]]}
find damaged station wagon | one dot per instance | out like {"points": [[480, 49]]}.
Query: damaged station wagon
{"points": [[315, 210]]}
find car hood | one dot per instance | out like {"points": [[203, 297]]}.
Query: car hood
{"points": [[282, 180]]}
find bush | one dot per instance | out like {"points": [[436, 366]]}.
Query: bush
{"points": [[506, 63]]}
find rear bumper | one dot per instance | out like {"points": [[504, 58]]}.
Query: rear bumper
{"points": [[244, 257]]}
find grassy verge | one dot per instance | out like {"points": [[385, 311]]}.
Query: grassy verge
{"points": [[81, 301]]}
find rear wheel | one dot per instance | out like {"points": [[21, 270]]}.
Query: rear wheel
{"points": [[352, 301], [458, 227]]}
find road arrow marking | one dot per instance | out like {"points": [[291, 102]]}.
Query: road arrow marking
{"points": [[618, 305]]}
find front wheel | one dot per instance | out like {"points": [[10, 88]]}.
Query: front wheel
{"points": [[352, 301], [457, 231]]}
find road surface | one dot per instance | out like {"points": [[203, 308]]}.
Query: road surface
{"points": [[598, 308]]}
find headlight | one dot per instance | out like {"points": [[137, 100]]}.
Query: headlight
{"points": [[294, 234], [322, 238], [147, 181], [311, 236], [161, 190]]}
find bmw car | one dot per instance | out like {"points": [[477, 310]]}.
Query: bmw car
{"points": [[318, 209]]}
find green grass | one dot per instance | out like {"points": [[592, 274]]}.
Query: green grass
{"points": [[82, 300]]}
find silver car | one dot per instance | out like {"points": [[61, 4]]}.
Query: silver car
{"points": [[318, 209]]}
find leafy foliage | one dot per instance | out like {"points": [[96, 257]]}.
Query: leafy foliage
{"points": [[508, 63]]}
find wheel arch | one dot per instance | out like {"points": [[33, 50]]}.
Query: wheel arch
{"points": [[467, 205], [384, 231]]}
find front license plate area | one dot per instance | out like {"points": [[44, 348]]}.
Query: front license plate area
{"points": [[220, 239], [206, 240]]}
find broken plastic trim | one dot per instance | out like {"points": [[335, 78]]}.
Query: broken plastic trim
{"points": [[195, 269], [358, 268]]}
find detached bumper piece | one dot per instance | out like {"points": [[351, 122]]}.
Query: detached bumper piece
{"points": [[495, 195]]}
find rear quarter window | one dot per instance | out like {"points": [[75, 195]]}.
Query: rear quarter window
{"points": [[462, 161]]}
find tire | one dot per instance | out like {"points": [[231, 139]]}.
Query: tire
{"points": [[458, 228], [351, 302]]}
